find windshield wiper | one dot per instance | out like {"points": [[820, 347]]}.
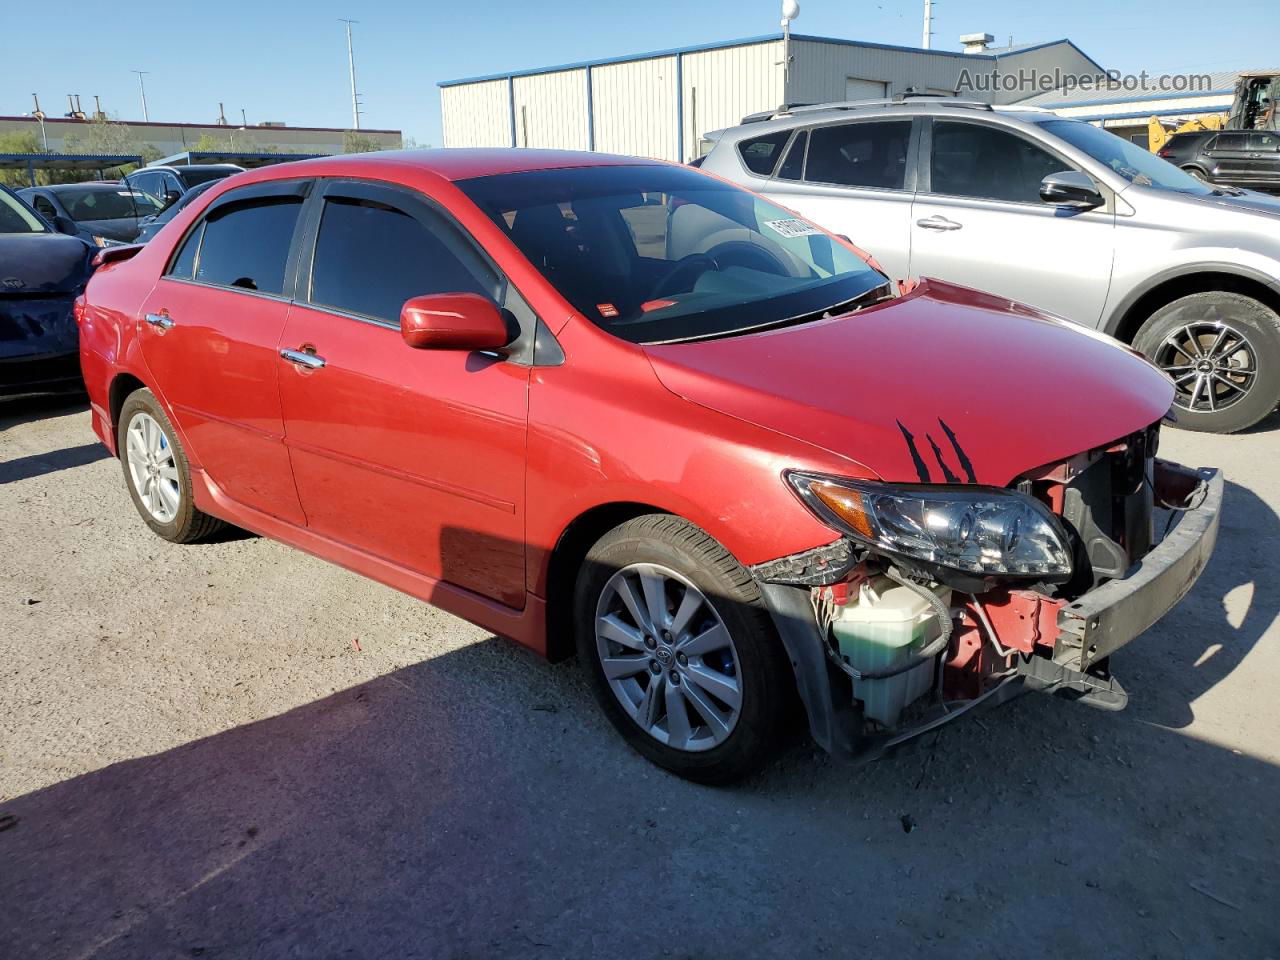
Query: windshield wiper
{"points": [[868, 298]]}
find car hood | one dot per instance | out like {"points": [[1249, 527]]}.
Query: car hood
{"points": [[42, 263], [945, 385]]}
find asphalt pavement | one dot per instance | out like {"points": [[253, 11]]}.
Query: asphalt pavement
{"points": [[236, 750]]}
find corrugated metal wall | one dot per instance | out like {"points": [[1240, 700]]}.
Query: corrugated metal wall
{"points": [[476, 114], [634, 107], [551, 110], [723, 86], [820, 71]]}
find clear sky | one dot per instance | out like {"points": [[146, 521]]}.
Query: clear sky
{"points": [[287, 60]]}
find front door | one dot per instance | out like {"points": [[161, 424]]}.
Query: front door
{"points": [[854, 179], [414, 456], [209, 333], [978, 220]]}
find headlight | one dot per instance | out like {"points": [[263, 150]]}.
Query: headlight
{"points": [[980, 531]]}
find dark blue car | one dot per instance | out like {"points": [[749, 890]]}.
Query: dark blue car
{"points": [[103, 213], [41, 274]]}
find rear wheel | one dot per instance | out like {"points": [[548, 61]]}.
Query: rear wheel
{"points": [[157, 473], [1223, 352], [681, 655]]}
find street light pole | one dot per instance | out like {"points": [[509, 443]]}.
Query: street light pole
{"points": [[351, 63], [142, 89]]}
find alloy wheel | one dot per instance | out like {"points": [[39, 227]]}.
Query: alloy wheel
{"points": [[1213, 365], [668, 657], [152, 468]]}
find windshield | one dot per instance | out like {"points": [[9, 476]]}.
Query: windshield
{"points": [[1127, 159], [191, 177], [17, 217], [656, 254], [114, 203]]}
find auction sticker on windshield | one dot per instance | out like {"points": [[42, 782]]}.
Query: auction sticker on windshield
{"points": [[792, 228]]}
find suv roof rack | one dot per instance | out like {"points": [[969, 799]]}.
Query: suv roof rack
{"points": [[898, 100]]}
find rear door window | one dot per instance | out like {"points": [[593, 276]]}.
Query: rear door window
{"points": [[371, 256], [860, 154], [244, 245], [986, 163]]}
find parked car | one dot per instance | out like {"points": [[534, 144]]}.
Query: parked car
{"points": [[153, 224], [625, 407], [169, 183], [103, 213], [1233, 158], [41, 274], [1051, 212]]}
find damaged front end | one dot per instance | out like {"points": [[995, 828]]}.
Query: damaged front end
{"points": [[942, 598]]}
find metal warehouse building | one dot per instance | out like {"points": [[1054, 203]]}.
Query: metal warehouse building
{"points": [[660, 104]]}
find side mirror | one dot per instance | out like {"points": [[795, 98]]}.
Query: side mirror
{"points": [[1070, 189], [453, 321], [170, 198], [65, 225]]}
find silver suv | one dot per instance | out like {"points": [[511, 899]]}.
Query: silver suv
{"points": [[1055, 213]]}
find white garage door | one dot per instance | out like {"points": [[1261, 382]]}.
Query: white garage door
{"points": [[856, 88]]}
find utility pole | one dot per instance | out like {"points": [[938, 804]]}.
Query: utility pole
{"points": [[351, 63], [928, 24], [142, 89]]}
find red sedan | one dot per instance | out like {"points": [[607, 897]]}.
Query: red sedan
{"points": [[624, 407]]}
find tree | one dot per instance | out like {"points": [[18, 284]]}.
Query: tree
{"points": [[19, 142], [353, 141]]}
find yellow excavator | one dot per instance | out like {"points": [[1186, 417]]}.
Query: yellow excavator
{"points": [[1256, 106]]}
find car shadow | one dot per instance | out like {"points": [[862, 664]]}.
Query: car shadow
{"points": [[27, 409], [475, 805], [39, 464]]}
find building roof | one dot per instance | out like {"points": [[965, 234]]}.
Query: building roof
{"points": [[748, 41], [1113, 94], [66, 161]]}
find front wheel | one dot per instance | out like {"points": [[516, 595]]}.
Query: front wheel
{"points": [[680, 653], [1223, 352]]}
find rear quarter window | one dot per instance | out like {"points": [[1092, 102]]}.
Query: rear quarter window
{"points": [[760, 155]]}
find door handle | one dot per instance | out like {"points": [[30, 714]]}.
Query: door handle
{"points": [[161, 319], [938, 222], [303, 359]]}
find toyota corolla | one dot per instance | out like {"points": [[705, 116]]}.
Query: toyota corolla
{"points": [[625, 408]]}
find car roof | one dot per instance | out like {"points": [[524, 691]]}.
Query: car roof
{"points": [[821, 114], [448, 164], [91, 186]]}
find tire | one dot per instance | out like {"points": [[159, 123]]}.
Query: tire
{"points": [[157, 473], [1236, 382], [1199, 175], [720, 740]]}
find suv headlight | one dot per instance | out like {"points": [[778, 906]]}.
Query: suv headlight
{"points": [[980, 531]]}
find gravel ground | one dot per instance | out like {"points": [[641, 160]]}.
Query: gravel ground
{"points": [[236, 750]]}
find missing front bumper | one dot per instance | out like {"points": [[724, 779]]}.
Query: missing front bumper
{"points": [[1108, 617]]}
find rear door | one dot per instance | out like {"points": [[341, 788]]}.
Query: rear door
{"points": [[209, 334], [415, 456], [855, 179], [1264, 160], [1228, 155], [978, 220]]}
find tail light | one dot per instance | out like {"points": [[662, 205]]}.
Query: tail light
{"points": [[1166, 153]]}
